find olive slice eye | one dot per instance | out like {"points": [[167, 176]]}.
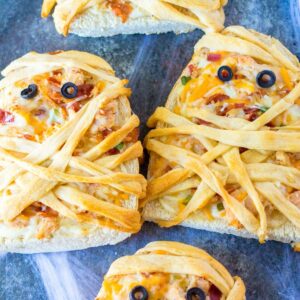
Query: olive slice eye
{"points": [[30, 92], [138, 293], [225, 73], [195, 294], [266, 79], [69, 90]]}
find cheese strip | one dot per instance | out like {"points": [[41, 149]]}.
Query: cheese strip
{"points": [[129, 218]]}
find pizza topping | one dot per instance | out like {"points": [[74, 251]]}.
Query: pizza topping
{"points": [[225, 73], [120, 146], [214, 293], [139, 293], [69, 90], [30, 92], [185, 79], [121, 8], [266, 79], [40, 112], [133, 136], [213, 56], [6, 117], [85, 90], [252, 113], [195, 294], [217, 98]]}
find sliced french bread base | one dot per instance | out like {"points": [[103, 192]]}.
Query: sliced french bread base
{"points": [[287, 233], [70, 235], [100, 237], [96, 23]]}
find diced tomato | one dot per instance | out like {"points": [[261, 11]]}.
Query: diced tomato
{"points": [[54, 81], [85, 90], [214, 293], [252, 113], [201, 122], [39, 112], [223, 110], [121, 8], [132, 136], [105, 132], [238, 105], [217, 98], [192, 68], [213, 56], [113, 151], [6, 117], [76, 106]]}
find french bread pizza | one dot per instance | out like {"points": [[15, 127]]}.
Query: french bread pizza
{"points": [[111, 17], [170, 270], [68, 154], [225, 151]]}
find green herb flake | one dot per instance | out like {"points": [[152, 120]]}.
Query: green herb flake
{"points": [[187, 199], [56, 112], [220, 206], [263, 108], [120, 146], [185, 79]]}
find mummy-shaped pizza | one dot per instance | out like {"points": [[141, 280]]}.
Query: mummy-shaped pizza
{"points": [[110, 17], [170, 271], [225, 154], [68, 154]]}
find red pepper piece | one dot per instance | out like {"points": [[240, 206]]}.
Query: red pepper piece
{"points": [[214, 293], [6, 117], [213, 56]]}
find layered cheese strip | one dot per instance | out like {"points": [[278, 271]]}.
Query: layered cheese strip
{"points": [[230, 148], [67, 158], [205, 14], [167, 270]]}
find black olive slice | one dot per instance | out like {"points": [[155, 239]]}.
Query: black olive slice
{"points": [[30, 92], [266, 79], [195, 294], [138, 293], [69, 90], [225, 73]]}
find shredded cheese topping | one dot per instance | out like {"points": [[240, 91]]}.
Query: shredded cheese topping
{"points": [[204, 14], [229, 150], [68, 158], [167, 270]]}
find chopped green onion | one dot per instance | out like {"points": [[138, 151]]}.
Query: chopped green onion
{"points": [[220, 206], [187, 199], [120, 146], [263, 108], [54, 116], [56, 112], [185, 79]]}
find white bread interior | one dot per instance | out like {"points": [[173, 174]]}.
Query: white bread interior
{"points": [[95, 23], [287, 233]]}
